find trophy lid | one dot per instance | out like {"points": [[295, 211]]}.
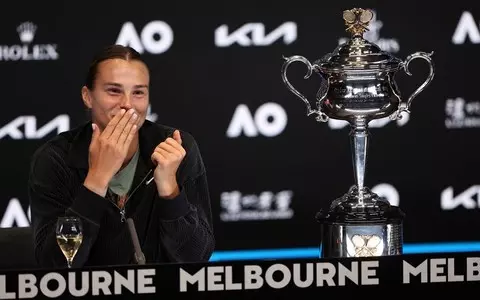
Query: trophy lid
{"points": [[358, 54]]}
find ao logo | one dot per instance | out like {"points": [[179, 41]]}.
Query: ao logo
{"points": [[270, 119], [467, 29], [389, 192], [15, 215], [156, 37]]}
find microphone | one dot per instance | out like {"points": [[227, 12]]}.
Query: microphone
{"points": [[139, 256]]}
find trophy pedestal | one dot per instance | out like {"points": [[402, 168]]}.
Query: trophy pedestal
{"points": [[354, 229]]}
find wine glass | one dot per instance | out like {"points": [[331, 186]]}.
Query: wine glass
{"points": [[69, 233]]}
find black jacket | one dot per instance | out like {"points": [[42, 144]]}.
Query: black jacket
{"points": [[177, 230]]}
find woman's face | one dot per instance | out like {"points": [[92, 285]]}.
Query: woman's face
{"points": [[118, 84]]}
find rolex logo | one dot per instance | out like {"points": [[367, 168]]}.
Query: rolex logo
{"points": [[26, 49], [26, 31]]}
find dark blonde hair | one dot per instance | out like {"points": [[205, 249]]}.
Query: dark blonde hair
{"points": [[109, 52]]}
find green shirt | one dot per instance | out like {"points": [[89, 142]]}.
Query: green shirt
{"points": [[122, 181]]}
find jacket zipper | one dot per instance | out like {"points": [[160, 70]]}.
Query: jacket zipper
{"points": [[122, 210]]}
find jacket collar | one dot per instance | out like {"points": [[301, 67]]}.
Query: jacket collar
{"points": [[150, 135]]}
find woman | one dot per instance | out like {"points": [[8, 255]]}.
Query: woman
{"points": [[121, 166]]}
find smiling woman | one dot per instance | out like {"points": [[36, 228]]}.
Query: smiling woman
{"points": [[117, 79], [101, 172], [117, 83]]}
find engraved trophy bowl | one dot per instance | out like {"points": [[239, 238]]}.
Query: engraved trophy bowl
{"points": [[357, 85]]}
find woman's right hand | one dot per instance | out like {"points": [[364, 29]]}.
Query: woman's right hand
{"points": [[108, 150]]}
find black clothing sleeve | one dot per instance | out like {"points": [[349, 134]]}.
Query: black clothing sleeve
{"points": [[186, 221], [50, 198], [185, 228]]}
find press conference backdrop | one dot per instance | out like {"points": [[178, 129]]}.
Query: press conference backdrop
{"points": [[216, 74]]}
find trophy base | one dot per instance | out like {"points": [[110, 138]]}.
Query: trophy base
{"points": [[361, 225]]}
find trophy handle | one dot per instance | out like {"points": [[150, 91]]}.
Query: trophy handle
{"points": [[405, 107], [322, 117]]}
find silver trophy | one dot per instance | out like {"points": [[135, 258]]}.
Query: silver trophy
{"points": [[357, 85]]}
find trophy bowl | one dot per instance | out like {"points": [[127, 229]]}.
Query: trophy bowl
{"points": [[357, 85]]}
